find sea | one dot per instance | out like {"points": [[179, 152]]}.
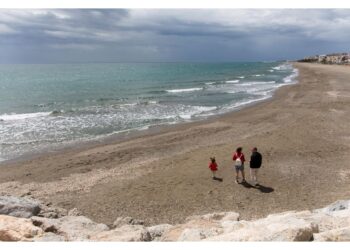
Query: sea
{"points": [[46, 107]]}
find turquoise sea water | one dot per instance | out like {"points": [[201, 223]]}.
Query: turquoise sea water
{"points": [[47, 106]]}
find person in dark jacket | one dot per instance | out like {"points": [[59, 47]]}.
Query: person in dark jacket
{"points": [[255, 164]]}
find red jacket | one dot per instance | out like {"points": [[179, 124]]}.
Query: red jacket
{"points": [[241, 156], [213, 166]]}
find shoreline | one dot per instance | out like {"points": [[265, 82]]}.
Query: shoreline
{"points": [[120, 137], [164, 177]]}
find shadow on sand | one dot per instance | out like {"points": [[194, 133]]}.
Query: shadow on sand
{"points": [[218, 179], [261, 188]]}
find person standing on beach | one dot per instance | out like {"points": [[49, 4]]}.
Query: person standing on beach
{"points": [[255, 164], [213, 166], [238, 158]]}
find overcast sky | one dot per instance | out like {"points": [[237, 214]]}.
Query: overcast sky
{"points": [[148, 35]]}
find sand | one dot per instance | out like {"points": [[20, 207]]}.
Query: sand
{"points": [[163, 177]]}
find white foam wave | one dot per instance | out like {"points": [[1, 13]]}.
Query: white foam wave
{"points": [[209, 83], [232, 81], [138, 103], [291, 77], [244, 103], [183, 90], [256, 83], [232, 91], [241, 77], [152, 102], [14, 117], [196, 110], [284, 66]]}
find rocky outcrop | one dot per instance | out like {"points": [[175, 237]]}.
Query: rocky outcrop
{"points": [[200, 227], [289, 226], [71, 228], [157, 231], [121, 221], [18, 229], [124, 233], [331, 223], [18, 207], [340, 234]]}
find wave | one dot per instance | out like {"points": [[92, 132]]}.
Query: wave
{"points": [[241, 77], [244, 103], [256, 83], [233, 91], [197, 110], [183, 90], [232, 81], [209, 83], [285, 66], [291, 77], [15, 117]]}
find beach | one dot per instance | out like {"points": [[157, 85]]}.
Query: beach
{"points": [[162, 176]]}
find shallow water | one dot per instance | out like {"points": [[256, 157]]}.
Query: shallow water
{"points": [[48, 106]]}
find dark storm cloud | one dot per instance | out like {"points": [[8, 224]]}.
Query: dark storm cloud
{"points": [[65, 35]]}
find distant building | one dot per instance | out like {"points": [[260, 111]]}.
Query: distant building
{"points": [[334, 58]]}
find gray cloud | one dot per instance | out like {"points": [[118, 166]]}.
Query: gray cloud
{"points": [[65, 35]]}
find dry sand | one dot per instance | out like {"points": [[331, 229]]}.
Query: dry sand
{"points": [[302, 133]]}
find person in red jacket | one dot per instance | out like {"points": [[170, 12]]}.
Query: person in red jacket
{"points": [[213, 166], [238, 158]]}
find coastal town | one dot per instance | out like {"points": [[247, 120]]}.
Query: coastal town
{"points": [[334, 58]]}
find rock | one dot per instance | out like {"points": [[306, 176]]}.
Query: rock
{"points": [[49, 211], [121, 221], [17, 229], [124, 233], [198, 234], [199, 227], [336, 206], [340, 234], [74, 212], [224, 216], [229, 226], [192, 230], [193, 234], [19, 207], [334, 216], [327, 222], [280, 227], [49, 237], [72, 228], [158, 230]]}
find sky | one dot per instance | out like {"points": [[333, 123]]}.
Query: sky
{"points": [[170, 35]]}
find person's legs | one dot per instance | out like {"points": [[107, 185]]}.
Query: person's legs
{"points": [[243, 175], [237, 173], [256, 175], [242, 170], [252, 174]]}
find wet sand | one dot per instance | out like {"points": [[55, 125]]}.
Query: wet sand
{"points": [[162, 177]]}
